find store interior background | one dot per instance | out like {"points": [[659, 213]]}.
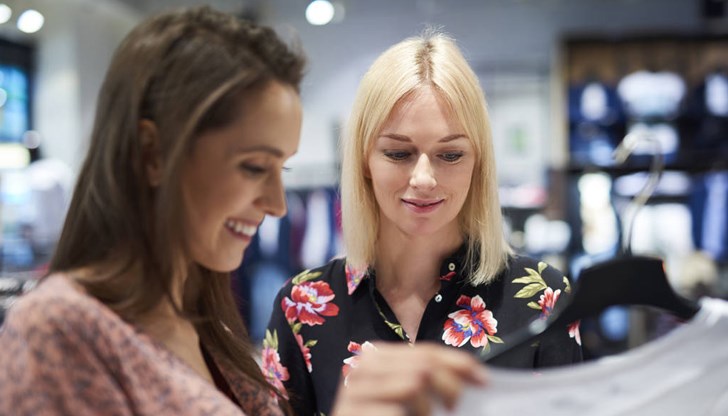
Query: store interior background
{"points": [[564, 197]]}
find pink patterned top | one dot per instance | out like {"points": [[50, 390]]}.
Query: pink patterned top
{"points": [[63, 352]]}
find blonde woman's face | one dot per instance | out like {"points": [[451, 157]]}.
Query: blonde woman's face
{"points": [[421, 166], [233, 177]]}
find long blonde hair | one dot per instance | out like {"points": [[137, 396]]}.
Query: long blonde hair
{"points": [[188, 71], [431, 59]]}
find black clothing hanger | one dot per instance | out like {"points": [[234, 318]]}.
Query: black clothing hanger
{"points": [[623, 280]]}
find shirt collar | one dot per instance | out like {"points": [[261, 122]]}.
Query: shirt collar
{"points": [[451, 270], [354, 277]]}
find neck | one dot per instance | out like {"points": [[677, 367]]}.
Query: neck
{"points": [[411, 264], [162, 322]]}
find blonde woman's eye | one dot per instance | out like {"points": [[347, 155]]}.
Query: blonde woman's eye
{"points": [[451, 156], [396, 154]]}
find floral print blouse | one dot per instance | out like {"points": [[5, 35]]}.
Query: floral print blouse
{"points": [[323, 318], [65, 353]]}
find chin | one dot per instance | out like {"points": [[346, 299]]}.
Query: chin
{"points": [[223, 267]]}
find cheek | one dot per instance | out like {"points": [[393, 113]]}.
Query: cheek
{"points": [[213, 201], [196, 198], [388, 177], [460, 180]]}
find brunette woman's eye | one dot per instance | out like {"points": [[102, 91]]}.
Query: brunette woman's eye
{"points": [[253, 170]]}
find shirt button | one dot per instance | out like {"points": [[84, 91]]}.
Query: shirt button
{"points": [[438, 298], [451, 267]]}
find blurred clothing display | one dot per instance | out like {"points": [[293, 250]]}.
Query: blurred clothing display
{"points": [[650, 236], [652, 94], [716, 94], [709, 208], [33, 205], [596, 122], [681, 373], [665, 105], [658, 135], [51, 183], [707, 111], [652, 101], [320, 229]]}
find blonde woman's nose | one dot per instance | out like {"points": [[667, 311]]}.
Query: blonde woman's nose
{"points": [[423, 176]]}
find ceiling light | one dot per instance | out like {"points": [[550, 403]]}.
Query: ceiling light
{"points": [[30, 21], [319, 12], [5, 13]]}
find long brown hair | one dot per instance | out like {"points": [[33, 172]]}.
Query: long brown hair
{"points": [[188, 71]]}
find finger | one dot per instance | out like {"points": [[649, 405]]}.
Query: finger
{"points": [[421, 405], [389, 383], [461, 363], [447, 386]]}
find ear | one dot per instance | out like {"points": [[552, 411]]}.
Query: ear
{"points": [[365, 165], [151, 157]]}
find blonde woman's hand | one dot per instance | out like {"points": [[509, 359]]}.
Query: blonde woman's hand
{"points": [[398, 379]]}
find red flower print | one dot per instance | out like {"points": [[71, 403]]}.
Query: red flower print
{"points": [[574, 331], [448, 276], [305, 351], [548, 300], [353, 361], [353, 277], [273, 371], [472, 323], [309, 301]]}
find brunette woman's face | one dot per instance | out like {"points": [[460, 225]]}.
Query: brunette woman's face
{"points": [[421, 165], [233, 176]]}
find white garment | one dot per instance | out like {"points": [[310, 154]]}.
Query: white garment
{"points": [[716, 94], [594, 105], [664, 134], [685, 372], [714, 222], [656, 94]]}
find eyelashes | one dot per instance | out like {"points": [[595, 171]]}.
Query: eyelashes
{"points": [[402, 155], [451, 156], [254, 170], [396, 155]]}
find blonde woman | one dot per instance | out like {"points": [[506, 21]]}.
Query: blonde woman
{"points": [[426, 261]]}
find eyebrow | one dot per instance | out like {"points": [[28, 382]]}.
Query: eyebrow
{"points": [[403, 138], [260, 148]]}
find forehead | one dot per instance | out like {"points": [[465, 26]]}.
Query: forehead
{"points": [[423, 113], [423, 104], [269, 118]]}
